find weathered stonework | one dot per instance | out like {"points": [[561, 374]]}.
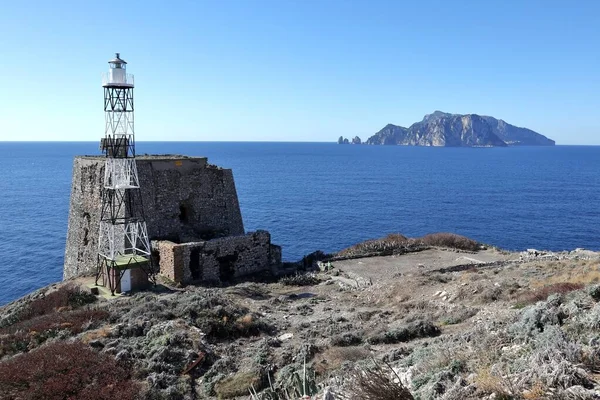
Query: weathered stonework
{"points": [[185, 199], [218, 260]]}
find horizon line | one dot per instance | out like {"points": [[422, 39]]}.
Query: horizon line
{"points": [[261, 141]]}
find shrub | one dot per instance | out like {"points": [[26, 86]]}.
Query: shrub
{"points": [[238, 384], [413, 330], [68, 295], [346, 339], [300, 280], [333, 358], [450, 240], [591, 319], [376, 383], [228, 322], [66, 370], [490, 294], [458, 316], [537, 318], [391, 244], [290, 385], [541, 294], [30, 333], [594, 292]]}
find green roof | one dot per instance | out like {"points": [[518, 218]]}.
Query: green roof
{"points": [[127, 261]]}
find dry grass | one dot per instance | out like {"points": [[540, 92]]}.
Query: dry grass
{"points": [[230, 322], [406, 333], [65, 297], [333, 358], [391, 244], [96, 334], [537, 392], [390, 293], [26, 335], [488, 382], [238, 384], [376, 383], [542, 293], [578, 274], [450, 240], [400, 244]]}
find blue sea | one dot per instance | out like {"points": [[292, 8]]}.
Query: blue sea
{"points": [[325, 196]]}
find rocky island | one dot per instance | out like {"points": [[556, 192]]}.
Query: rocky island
{"points": [[437, 317], [457, 130]]}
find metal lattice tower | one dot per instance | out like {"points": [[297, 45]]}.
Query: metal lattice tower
{"points": [[123, 242]]}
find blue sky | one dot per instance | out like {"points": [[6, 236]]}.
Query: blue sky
{"points": [[299, 70]]}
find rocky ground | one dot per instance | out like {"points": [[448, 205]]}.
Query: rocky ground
{"points": [[441, 323]]}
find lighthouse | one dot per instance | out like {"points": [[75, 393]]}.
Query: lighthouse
{"points": [[124, 251]]}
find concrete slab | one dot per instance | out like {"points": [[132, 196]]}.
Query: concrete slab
{"points": [[382, 268], [104, 292]]}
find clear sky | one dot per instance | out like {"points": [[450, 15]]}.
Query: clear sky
{"points": [[311, 70]]}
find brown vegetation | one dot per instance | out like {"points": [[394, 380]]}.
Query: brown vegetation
{"points": [[65, 296], [391, 244], [305, 279], [399, 244], [333, 358], [450, 240], [413, 330], [46, 316], [238, 385], [229, 322], [26, 335], [542, 293], [66, 370], [376, 383]]}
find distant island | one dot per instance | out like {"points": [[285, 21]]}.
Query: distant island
{"points": [[455, 130]]}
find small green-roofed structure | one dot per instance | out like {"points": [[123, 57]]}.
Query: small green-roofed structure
{"points": [[128, 261]]}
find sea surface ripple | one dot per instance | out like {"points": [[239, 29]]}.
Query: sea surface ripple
{"points": [[325, 196]]}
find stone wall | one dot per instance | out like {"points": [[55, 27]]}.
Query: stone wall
{"points": [[218, 260], [185, 199]]}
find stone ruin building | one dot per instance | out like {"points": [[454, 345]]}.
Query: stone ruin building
{"points": [[193, 219]]}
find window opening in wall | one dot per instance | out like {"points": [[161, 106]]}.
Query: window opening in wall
{"points": [[227, 267], [195, 269], [183, 213]]}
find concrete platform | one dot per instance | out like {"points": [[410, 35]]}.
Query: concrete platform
{"points": [[104, 291], [382, 268]]}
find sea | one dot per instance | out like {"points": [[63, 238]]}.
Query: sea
{"points": [[325, 196]]}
